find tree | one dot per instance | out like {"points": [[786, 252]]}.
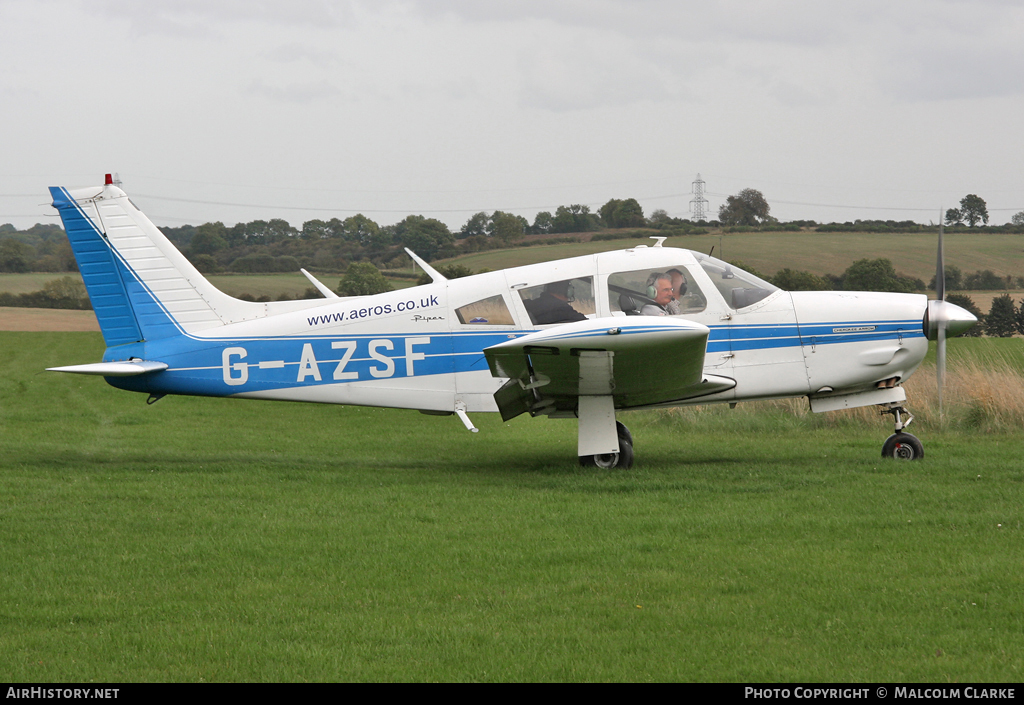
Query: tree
{"points": [[206, 264], [1018, 218], [617, 213], [476, 225], [973, 209], [573, 219], [507, 227], [659, 217], [1001, 321], [876, 275], [362, 279], [317, 229], [984, 280], [954, 279], [954, 217], [424, 236], [748, 207], [541, 223], [965, 302], [66, 289], [14, 255], [358, 228], [208, 239], [796, 280]]}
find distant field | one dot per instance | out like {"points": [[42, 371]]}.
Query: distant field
{"points": [[820, 253], [47, 319], [271, 285], [226, 540]]}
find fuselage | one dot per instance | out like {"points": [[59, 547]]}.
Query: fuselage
{"points": [[422, 347]]}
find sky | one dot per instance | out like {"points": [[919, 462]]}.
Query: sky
{"points": [[236, 110]]}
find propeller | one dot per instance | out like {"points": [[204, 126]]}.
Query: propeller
{"points": [[943, 318]]}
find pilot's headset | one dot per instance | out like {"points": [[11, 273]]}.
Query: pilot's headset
{"points": [[682, 284], [570, 290], [652, 291]]}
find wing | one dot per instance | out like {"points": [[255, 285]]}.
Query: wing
{"points": [[638, 361]]}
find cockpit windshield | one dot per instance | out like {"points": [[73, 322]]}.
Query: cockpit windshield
{"points": [[740, 289]]}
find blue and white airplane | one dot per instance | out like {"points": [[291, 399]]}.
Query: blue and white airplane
{"points": [[640, 328]]}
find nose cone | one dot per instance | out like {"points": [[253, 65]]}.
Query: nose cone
{"points": [[949, 316]]}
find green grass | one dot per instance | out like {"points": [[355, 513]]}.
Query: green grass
{"points": [[227, 540]]}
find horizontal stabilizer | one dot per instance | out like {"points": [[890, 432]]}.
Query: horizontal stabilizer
{"points": [[113, 369]]}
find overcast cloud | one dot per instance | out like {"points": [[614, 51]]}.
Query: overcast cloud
{"points": [[232, 110]]}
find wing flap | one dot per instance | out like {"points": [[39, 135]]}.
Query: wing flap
{"points": [[639, 361]]}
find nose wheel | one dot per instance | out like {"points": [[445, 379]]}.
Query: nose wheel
{"points": [[901, 445]]}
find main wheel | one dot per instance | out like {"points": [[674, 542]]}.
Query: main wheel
{"points": [[624, 434], [622, 460], [902, 446]]}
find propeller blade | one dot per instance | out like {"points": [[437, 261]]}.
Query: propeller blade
{"points": [[942, 317], [940, 363]]}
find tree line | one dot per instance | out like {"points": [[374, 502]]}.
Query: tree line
{"points": [[332, 245]]}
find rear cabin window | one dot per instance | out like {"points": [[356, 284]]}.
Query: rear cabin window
{"points": [[561, 301], [655, 292], [491, 311]]}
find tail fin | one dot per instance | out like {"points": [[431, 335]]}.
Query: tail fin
{"points": [[140, 285]]}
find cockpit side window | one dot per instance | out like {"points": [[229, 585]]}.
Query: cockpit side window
{"points": [[561, 301], [740, 289], [655, 292]]}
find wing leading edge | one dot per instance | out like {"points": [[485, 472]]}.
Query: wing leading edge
{"points": [[638, 361]]}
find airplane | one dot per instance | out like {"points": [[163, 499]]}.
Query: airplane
{"points": [[585, 337]]}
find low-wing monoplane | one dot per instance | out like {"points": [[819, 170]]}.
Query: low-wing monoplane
{"points": [[583, 338]]}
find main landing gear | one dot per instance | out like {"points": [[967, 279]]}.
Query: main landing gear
{"points": [[623, 459], [900, 445]]}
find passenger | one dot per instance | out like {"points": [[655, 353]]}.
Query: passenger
{"points": [[674, 307], [552, 306]]}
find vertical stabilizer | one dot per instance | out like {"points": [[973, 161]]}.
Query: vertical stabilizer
{"points": [[141, 286]]}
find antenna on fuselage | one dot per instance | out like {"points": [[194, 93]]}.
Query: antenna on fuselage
{"points": [[321, 287], [435, 275]]}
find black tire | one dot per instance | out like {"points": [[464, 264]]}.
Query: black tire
{"points": [[624, 434], [623, 460], [902, 446]]}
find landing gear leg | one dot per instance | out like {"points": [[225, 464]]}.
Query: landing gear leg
{"points": [[901, 445]]}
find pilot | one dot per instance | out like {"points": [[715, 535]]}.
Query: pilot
{"points": [[552, 306], [659, 289], [674, 306]]}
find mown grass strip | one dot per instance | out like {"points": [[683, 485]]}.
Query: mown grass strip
{"points": [[207, 539]]}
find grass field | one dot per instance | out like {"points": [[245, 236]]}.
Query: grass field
{"points": [[272, 285], [225, 540], [820, 253]]}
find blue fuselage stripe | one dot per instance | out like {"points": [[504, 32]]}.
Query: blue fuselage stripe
{"points": [[217, 367]]}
